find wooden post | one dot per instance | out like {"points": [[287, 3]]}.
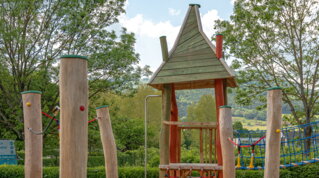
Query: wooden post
{"points": [[74, 114], [108, 142], [164, 48], [173, 140], [221, 100], [226, 131], [32, 125], [164, 134], [272, 155]]}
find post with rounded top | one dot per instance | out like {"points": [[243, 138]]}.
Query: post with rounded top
{"points": [[32, 125], [74, 114], [226, 132], [164, 48], [219, 46], [108, 141], [273, 135]]}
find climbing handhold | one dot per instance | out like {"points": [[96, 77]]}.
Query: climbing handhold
{"points": [[28, 104], [278, 131], [82, 108]]}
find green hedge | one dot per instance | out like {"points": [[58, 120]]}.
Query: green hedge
{"points": [[7, 171], [307, 171]]}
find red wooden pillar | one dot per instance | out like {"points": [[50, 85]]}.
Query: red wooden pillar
{"points": [[173, 139], [220, 98]]}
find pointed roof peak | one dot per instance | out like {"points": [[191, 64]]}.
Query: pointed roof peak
{"points": [[192, 61]]}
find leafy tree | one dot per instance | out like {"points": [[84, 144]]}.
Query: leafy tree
{"points": [[275, 43], [238, 126], [33, 34]]}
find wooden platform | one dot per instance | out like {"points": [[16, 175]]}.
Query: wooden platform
{"points": [[192, 166], [192, 125]]}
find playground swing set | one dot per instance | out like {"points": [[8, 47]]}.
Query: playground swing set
{"points": [[192, 63]]}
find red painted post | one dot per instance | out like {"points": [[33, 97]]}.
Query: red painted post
{"points": [[219, 46], [173, 130], [220, 92]]}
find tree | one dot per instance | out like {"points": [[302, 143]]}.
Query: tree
{"points": [[33, 34], [238, 126], [275, 43]]}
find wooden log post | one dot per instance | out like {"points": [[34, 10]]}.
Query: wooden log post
{"points": [[74, 114], [226, 131], [273, 135], [166, 111], [173, 130], [33, 141], [108, 141], [164, 133]]}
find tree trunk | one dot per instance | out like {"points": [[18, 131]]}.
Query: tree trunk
{"points": [[308, 132]]}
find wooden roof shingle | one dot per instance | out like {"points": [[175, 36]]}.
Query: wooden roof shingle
{"points": [[192, 61]]}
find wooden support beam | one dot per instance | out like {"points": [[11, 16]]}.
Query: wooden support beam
{"points": [[173, 129], [164, 134], [226, 131], [108, 141], [273, 136], [32, 125], [220, 92], [74, 116], [201, 154]]}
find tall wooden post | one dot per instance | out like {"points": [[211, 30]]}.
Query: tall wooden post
{"points": [[273, 136], [166, 111], [74, 114], [221, 100], [226, 131], [33, 142], [164, 134], [108, 142], [174, 143]]}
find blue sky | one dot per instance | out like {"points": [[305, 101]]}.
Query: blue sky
{"points": [[154, 18]]}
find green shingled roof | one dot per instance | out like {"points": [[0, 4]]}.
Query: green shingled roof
{"points": [[192, 61]]}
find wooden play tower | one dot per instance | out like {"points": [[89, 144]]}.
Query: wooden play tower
{"points": [[192, 63]]}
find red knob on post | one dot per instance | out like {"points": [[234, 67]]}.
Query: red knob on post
{"points": [[219, 46]]}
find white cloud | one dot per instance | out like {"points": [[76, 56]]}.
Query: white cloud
{"points": [[173, 12], [208, 22], [143, 27]]}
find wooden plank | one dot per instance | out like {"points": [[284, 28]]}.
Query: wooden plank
{"points": [[197, 127], [190, 49], [272, 155], [206, 51], [108, 142], [194, 63], [210, 145], [33, 142], [191, 70], [197, 40], [190, 123], [192, 57], [190, 77], [193, 166], [226, 131], [201, 154], [191, 34], [164, 133], [74, 116]]}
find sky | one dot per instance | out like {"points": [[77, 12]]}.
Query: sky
{"points": [[150, 19]]}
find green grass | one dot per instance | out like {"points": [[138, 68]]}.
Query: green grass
{"points": [[251, 124]]}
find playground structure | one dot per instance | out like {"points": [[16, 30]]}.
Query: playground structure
{"points": [[192, 63], [73, 124]]}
